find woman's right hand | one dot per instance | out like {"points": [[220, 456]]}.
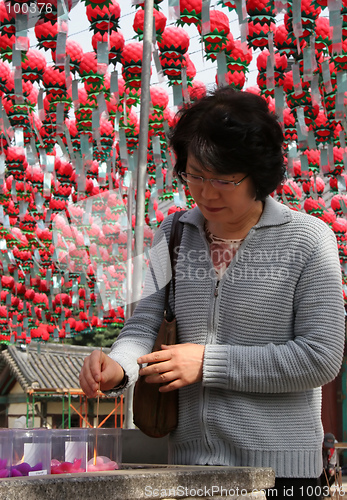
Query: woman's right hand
{"points": [[98, 367]]}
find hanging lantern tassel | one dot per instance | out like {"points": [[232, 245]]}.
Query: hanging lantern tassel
{"points": [[340, 95], [174, 10], [335, 20], [297, 22], [279, 103], [270, 63], [297, 80], [221, 69]]}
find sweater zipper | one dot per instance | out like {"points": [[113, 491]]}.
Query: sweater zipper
{"points": [[205, 391]]}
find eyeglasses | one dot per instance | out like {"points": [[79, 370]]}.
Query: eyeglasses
{"points": [[216, 183]]}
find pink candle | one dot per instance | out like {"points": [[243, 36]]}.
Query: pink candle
{"points": [[101, 464], [58, 467]]}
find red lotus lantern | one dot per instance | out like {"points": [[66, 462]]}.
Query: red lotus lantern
{"points": [[131, 125], [289, 192], [65, 172], [52, 100], [159, 22], [338, 166], [75, 53], [314, 207], [47, 31], [74, 135], [339, 136], [284, 41], [103, 18], [216, 40], [33, 66], [197, 90], [115, 42], [309, 14], [258, 34], [159, 98], [335, 203], [9, 88], [190, 12], [280, 65], [334, 183], [313, 158], [323, 128], [7, 19], [340, 60], [313, 185], [18, 114], [6, 44], [290, 133], [5, 74], [107, 136], [24, 191], [132, 95], [261, 11], [91, 71], [237, 59], [302, 97], [132, 63], [235, 79], [16, 162], [328, 217], [54, 80], [174, 43], [339, 227], [84, 112], [323, 40]]}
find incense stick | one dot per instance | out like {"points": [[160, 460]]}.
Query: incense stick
{"points": [[97, 413]]}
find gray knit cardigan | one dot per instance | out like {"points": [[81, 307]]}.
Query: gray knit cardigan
{"points": [[274, 334]]}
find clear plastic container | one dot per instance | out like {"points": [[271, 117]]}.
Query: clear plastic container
{"points": [[104, 450], [31, 452], [5, 452], [69, 451]]}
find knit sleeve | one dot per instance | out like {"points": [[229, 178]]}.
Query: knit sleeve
{"points": [[139, 332], [314, 356]]}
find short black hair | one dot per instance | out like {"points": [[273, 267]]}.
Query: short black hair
{"points": [[232, 131]]}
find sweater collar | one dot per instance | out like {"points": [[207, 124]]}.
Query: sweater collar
{"points": [[274, 214]]}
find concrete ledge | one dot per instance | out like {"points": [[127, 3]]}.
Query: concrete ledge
{"points": [[144, 483]]}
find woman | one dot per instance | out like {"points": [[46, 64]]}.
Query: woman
{"points": [[258, 304]]}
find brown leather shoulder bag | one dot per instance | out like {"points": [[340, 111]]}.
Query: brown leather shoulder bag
{"points": [[156, 413]]}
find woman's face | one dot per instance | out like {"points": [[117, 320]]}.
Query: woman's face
{"points": [[218, 205]]}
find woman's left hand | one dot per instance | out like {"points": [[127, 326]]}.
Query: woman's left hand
{"points": [[175, 366]]}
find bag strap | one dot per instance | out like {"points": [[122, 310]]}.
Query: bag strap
{"points": [[174, 242]]}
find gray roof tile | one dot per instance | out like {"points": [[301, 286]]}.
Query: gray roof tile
{"points": [[51, 366]]}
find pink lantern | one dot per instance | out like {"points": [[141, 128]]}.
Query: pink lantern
{"points": [[131, 60], [159, 20], [33, 66], [103, 18]]}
